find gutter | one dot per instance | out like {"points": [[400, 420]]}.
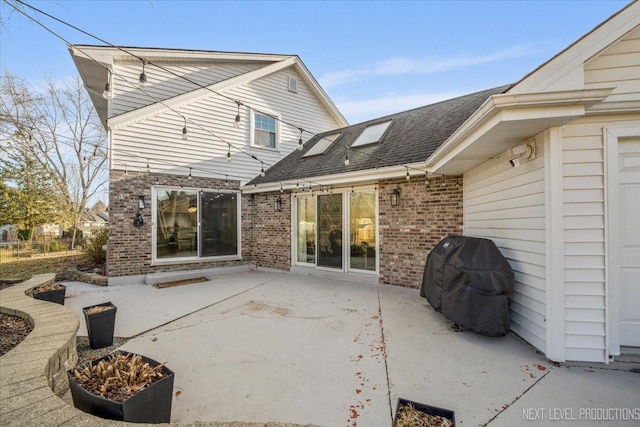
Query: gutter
{"points": [[498, 103], [341, 179]]}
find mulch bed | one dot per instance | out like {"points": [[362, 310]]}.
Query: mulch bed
{"points": [[13, 330], [87, 354]]}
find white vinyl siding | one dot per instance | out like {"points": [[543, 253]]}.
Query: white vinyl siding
{"points": [[163, 85], [617, 66], [210, 119], [507, 205], [584, 237]]}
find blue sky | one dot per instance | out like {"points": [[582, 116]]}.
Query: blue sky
{"points": [[372, 58]]}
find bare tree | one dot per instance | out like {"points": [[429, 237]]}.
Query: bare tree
{"points": [[58, 129]]}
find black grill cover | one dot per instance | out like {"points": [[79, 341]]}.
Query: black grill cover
{"points": [[469, 281]]}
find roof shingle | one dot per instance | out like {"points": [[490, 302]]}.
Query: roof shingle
{"points": [[412, 137]]}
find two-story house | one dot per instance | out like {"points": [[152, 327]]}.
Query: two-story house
{"points": [[186, 128]]}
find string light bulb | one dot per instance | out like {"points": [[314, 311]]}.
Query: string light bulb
{"points": [[236, 123], [229, 154], [408, 178], [300, 145], [184, 130], [189, 177], [262, 171], [346, 159], [142, 80], [107, 94]]}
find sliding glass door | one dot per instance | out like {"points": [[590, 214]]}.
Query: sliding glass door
{"points": [[330, 230], [362, 230], [337, 231]]}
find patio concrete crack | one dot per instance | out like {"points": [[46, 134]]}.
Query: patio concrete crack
{"points": [[195, 311], [505, 407], [384, 352]]}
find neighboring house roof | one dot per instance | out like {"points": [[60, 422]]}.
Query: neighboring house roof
{"points": [[411, 137], [93, 61], [94, 217]]}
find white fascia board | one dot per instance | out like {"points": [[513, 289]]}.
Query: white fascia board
{"points": [[349, 178], [126, 53], [195, 95], [320, 93], [504, 107], [575, 55]]}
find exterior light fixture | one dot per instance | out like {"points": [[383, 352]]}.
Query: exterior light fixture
{"points": [[278, 204], [395, 197], [141, 201]]}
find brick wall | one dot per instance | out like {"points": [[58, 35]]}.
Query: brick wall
{"points": [[409, 231], [266, 233], [129, 250]]}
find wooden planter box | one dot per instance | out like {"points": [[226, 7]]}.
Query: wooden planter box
{"points": [[152, 404]]}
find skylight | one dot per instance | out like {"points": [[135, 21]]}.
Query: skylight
{"points": [[323, 145], [371, 134]]}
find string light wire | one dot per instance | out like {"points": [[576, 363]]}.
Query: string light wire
{"points": [[144, 61]]}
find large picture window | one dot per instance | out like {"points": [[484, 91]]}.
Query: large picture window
{"points": [[195, 224]]}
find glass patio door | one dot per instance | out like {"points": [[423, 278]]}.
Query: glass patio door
{"points": [[362, 231], [330, 231]]}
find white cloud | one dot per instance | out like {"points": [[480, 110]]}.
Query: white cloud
{"points": [[366, 109], [433, 64]]}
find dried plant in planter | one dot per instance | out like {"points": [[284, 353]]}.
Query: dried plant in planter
{"points": [[99, 309], [408, 416], [118, 377], [48, 288]]}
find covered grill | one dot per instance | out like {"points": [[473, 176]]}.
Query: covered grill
{"points": [[470, 282]]}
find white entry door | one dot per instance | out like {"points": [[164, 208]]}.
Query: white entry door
{"points": [[629, 239]]}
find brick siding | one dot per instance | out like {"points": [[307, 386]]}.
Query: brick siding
{"points": [[129, 249], [266, 233], [409, 231]]}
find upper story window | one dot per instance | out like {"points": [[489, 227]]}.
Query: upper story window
{"points": [[371, 134], [265, 131]]}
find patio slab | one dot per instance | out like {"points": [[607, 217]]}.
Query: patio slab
{"points": [[264, 346]]}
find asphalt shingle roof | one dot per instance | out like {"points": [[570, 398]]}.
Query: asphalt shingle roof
{"points": [[412, 137]]}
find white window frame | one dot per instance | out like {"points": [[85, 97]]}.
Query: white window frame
{"points": [[252, 125], [346, 211], [185, 260]]}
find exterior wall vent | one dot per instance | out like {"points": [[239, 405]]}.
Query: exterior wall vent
{"points": [[293, 85]]}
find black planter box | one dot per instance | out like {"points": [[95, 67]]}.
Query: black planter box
{"points": [[152, 404], [427, 409], [100, 325], [56, 296]]}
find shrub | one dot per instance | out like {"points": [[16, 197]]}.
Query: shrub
{"points": [[93, 247], [24, 235], [57, 246]]}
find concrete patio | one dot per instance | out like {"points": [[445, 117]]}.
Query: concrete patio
{"points": [[269, 346]]}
